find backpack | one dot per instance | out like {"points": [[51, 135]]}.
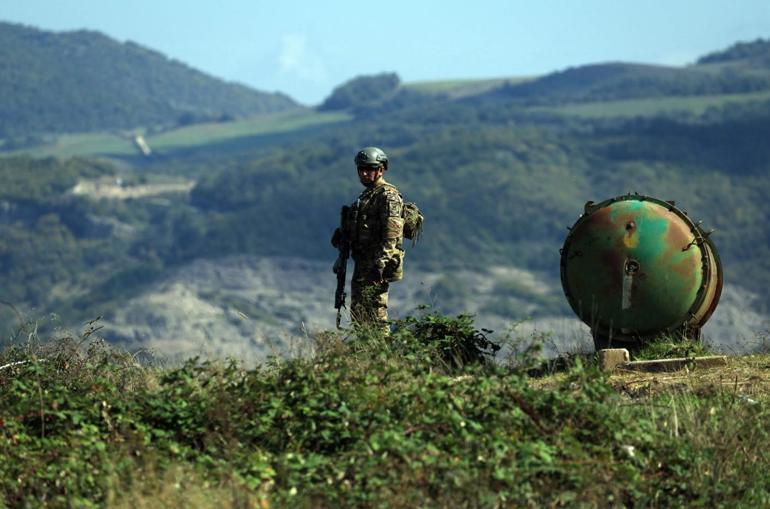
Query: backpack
{"points": [[413, 220]]}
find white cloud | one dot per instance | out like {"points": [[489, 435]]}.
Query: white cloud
{"points": [[295, 58], [677, 58]]}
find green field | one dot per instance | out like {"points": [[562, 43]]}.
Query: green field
{"points": [[83, 144], [193, 136], [278, 123], [462, 87], [246, 132], [648, 107]]}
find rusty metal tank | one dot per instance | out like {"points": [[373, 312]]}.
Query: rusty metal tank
{"points": [[634, 268]]}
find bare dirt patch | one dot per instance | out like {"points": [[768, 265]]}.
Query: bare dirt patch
{"points": [[115, 189]]}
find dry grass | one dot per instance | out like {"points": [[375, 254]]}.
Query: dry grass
{"points": [[746, 376], [743, 376], [181, 486]]}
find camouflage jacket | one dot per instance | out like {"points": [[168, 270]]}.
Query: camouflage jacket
{"points": [[378, 230]]}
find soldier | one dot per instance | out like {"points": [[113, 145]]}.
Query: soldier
{"points": [[376, 231]]}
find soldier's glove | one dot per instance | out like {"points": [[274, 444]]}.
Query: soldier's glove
{"points": [[336, 238], [391, 266], [375, 275]]}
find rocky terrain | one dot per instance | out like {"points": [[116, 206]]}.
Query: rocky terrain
{"points": [[252, 307]]}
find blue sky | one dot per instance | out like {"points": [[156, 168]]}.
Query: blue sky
{"points": [[307, 48]]}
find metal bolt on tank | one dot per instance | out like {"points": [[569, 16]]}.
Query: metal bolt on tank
{"points": [[635, 267]]}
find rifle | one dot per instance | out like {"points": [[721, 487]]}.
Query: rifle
{"points": [[341, 241]]}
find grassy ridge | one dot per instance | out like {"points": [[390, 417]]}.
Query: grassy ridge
{"points": [[654, 106], [84, 144], [197, 135], [404, 422], [264, 124], [239, 134], [462, 87]]}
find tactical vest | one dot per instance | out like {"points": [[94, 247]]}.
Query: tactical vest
{"points": [[372, 220], [369, 222]]}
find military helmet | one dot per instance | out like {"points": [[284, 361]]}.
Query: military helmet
{"points": [[371, 156]]}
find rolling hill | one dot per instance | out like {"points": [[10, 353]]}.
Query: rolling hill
{"points": [[499, 179], [740, 69], [54, 82]]}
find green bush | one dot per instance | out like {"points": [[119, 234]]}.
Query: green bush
{"points": [[452, 341]]}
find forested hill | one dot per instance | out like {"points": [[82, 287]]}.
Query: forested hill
{"points": [[498, 179], [85, 81], [755, 52], [743, 68]]}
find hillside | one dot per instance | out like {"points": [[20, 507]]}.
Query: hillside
{"points": [[738, 70], [623, 81], [741, 70], [203, 138], [615, 91], [755, 52], [495, 196], [498, 180], [53, 82], [524, 183]]}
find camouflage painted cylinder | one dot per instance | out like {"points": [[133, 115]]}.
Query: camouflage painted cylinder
{"points": [[635, 267]]}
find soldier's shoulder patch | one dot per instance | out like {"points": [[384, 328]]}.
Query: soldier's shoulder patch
{"points": [[391, 192], [394, 204]]}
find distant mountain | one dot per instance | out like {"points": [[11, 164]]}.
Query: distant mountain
{"points": [[85, 81], [498, 182], [755, 52], [613, 81], [376, 94], [741, 69], [362, 91], [501, 180]]}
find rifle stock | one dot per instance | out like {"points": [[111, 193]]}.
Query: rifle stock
{"points": [[341, 264]]}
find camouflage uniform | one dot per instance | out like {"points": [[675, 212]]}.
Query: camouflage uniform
{"points": [[377, 249]]}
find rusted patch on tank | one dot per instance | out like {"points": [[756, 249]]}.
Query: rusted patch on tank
{"points": [[668, 240], [626, 240], [688, 268], [583, 235], [628, 235], [678, 236], [607, 225], [600, 221]]}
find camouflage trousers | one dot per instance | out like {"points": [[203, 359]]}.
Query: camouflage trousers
{"points": [[368, 301]]}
